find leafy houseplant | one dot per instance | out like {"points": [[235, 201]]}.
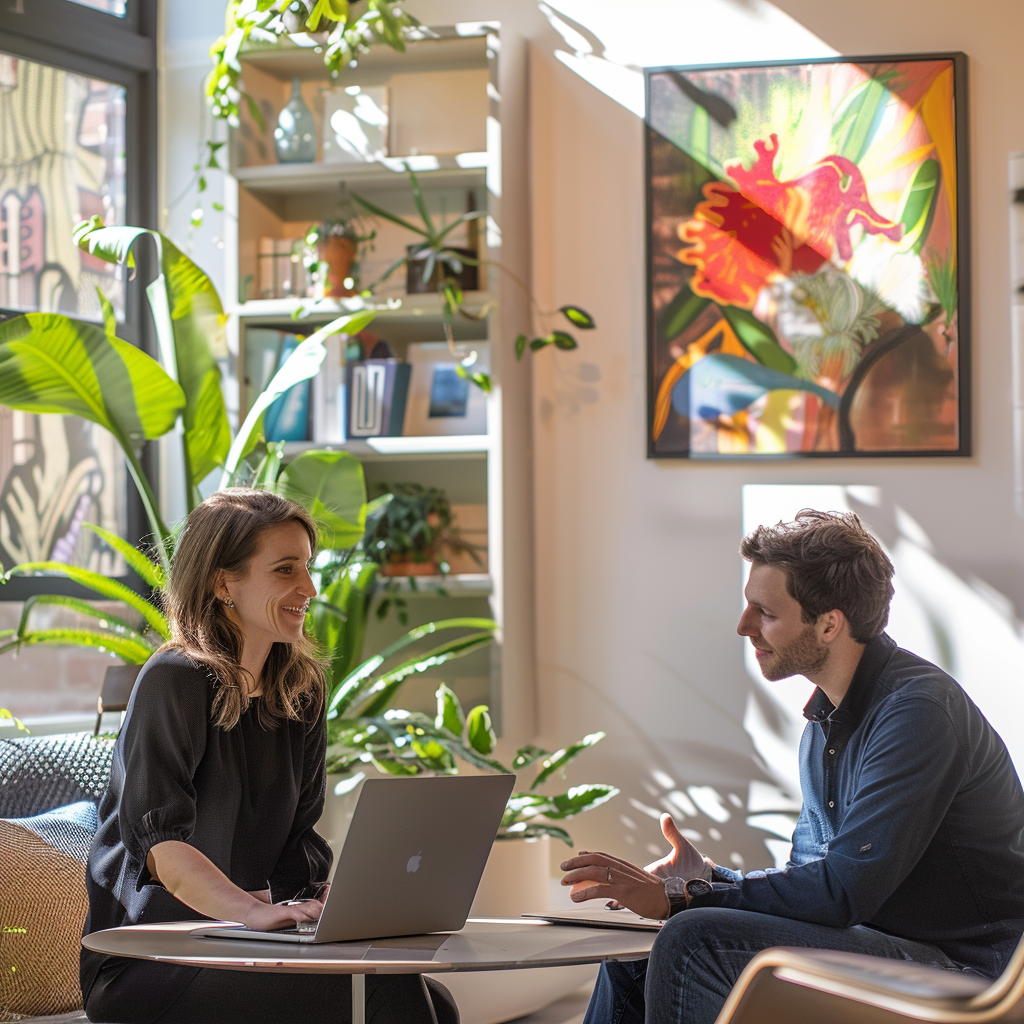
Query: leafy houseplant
{"points": [[409, 536], [331, 250], [402, 742], [444, 263]]}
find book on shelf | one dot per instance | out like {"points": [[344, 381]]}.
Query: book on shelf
{"points": [[328, 394], [287, 418]]}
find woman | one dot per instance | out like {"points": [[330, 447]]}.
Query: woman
{"points": [[218, 779]]}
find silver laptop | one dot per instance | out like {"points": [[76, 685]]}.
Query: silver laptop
{"points": [[411, 862]]}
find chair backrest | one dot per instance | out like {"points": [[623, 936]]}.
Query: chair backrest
{"points": [[116, 690]]}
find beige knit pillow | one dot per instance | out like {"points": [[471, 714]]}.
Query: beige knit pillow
{"points": [[43, 904]]}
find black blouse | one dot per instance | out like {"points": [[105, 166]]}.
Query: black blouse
{"points": [[247, 798]]}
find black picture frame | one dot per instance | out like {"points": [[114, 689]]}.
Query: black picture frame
{"points": [[716, 105]]}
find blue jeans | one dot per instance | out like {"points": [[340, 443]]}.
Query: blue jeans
{"points": [[699, 954]]}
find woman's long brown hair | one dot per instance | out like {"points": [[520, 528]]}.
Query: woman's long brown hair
{"points": [[223, 533]]}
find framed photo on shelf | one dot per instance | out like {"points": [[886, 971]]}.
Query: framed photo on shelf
{"points": [[808, 278], [440, 401]]}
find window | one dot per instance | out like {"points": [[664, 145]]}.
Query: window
{"points": [[77, 138]]}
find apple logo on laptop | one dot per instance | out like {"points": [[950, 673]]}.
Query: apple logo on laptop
{"points": [[414, 862]]}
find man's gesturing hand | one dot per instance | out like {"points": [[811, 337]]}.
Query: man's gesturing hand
{"points": [[614, 879], [685, 860]]}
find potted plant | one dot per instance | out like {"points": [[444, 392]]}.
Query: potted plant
{"points": [[331, 250], [437, 261]]}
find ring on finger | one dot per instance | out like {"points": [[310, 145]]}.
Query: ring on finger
{"points": [[609, 875]]}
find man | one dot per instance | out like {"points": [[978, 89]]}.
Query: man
{"points": [[910, 841]]}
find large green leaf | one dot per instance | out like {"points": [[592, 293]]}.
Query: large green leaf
{"points": [[356, 681], [860, 116], [681, 312], [149, 572], [579, 799], [758, 339], [339, 618], [560, 758], [479, 730], [103, 585], [381, 692], [449, 711], [50, 363], [302, 364], [131, 651], [332, 487], [76, 604], [189, 322], [918, 206]]}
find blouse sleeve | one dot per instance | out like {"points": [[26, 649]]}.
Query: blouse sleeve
{"points": [[163, 740], [306, 857]]}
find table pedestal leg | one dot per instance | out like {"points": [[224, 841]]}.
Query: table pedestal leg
{"points": [[358, 999]]}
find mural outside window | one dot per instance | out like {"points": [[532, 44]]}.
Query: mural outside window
{"points": [[62, 159], [804, 267]]}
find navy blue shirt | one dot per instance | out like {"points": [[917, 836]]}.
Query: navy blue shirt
{"points": [[912, 819]]}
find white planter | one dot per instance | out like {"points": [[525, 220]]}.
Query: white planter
{"points": [[514, 882]]}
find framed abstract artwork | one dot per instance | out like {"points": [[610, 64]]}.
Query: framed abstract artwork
{"points": [[807, 266]]}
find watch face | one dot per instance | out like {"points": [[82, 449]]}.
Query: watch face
{"points": [[697, 887]]}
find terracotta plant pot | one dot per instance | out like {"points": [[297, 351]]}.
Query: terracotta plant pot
{"points": [[339, 253], [409, 569]]}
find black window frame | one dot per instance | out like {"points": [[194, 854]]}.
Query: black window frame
{"points": [[122, 50]]}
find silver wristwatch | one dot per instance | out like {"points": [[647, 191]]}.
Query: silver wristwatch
{"points": [[680, 891]]}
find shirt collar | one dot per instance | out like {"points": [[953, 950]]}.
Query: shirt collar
{"points": [[852, 707]]}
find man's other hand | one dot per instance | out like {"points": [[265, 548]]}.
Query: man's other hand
{"points": [[685, 860], [618, 880]]}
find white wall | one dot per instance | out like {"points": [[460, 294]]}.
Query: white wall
{"points": [[638, 576]]}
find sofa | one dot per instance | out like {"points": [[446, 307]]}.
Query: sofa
{"points": [[49, 790]]}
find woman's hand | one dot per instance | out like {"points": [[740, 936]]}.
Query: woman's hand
{"points": [[685, 860], [641, 891], [265, 918]]}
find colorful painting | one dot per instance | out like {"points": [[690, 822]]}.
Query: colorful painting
{"points": [[807, 279]]}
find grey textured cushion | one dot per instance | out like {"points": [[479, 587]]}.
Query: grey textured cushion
{"points": [[38, 773]]}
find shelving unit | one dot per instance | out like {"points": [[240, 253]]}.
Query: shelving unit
{"points": [[448, 97]]}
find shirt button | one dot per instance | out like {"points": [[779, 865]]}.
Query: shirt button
{"points": [[831, 803], [831, 751]]}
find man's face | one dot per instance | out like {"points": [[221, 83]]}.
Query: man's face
{"points": [[785, 645]]}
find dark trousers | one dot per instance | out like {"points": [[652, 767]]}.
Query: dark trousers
{"points": [[140, 992], [699, 954]]}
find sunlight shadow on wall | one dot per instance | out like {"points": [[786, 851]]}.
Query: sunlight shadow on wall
{"points": [[962, 625], [666, 32]]}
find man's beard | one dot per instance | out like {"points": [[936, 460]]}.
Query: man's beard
{"points": [[806, 654]]}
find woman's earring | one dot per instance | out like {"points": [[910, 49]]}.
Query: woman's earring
{"points": [[228, 602]]}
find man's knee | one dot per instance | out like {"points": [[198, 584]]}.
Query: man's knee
{"points": [[687, 932]]}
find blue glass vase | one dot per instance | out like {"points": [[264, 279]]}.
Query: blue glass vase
{"points": [[295, 134]]}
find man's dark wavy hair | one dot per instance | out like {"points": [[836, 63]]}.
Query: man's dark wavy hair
{"points": [[830, 561]]}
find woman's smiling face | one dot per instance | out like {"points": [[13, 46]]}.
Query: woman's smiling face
{"points": [[271, 599]]}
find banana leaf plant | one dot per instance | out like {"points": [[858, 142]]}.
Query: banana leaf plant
{"points": [[50, 363], [436, 254], [363, 730]]}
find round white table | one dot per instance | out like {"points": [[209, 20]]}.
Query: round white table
{"points": [[485, 944]]}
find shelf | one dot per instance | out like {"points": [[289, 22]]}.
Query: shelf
{"points": [[409, 307], [302, 55], [457, 170], [461, 585], [375, 449]]}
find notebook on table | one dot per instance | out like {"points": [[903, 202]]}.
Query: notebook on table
{"points": [[600, 917], [411, 862]]}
